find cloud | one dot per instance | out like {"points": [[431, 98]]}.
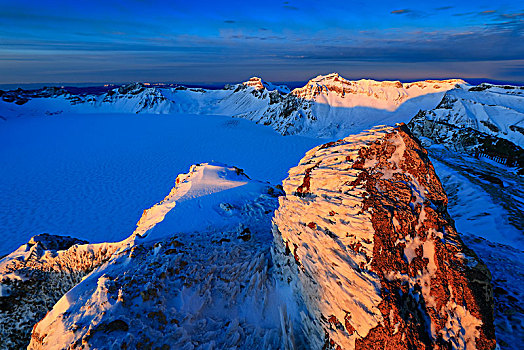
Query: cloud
{"points": [[512, 15], [464, 14], [400, 12], [488, 12], [412, 14], [443, 8]]}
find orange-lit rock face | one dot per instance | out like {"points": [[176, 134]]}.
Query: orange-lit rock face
{"points": [[378, 261], [381, 90], [255, 82]]}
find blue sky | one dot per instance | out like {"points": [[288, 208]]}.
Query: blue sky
{"points": [[219, 41]]}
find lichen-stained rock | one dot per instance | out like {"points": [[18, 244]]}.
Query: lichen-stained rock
{"points": [[35, 276], [364, 237]]}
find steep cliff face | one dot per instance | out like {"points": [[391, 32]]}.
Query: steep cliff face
{"points": [[35, 276], [364, 237]]}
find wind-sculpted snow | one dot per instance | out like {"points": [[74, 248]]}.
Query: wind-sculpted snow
{"points": [[196, 273], [364, 238], [326, 106]]}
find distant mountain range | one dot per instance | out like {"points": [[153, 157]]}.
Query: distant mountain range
{"points": [[470, 118]]}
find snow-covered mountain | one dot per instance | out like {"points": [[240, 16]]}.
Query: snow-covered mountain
{"points": [[327, 106], [202, 250], [485, 119], [361, 253], [362, 250]]}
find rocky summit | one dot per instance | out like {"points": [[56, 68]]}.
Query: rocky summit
{"points": [[364, 238]]}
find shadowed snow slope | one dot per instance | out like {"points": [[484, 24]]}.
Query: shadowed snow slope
{"points": [[485, 119], [493, 110], [365, 240]]}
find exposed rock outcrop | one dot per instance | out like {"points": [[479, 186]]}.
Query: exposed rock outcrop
{"points": [[364, 238]]}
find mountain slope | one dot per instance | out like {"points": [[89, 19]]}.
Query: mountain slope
{"points": [[486, 120], [195, 272]]}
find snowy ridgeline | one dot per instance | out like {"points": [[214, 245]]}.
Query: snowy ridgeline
{"points": [[206, 267], [327, 106], [486, 119]]}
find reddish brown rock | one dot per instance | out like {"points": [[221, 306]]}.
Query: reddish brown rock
{"points": [[403, 277]]}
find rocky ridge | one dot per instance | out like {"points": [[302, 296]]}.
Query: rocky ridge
{"points": [[362, 254], [325, 106], [380, 90], [363, 235]]}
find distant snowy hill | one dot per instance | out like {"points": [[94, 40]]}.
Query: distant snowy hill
{"points": [[485, 119], [327, 106]]}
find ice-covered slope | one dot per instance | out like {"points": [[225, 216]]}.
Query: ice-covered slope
{"points": [[364, 238], [92, 175], [327, 106]]}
